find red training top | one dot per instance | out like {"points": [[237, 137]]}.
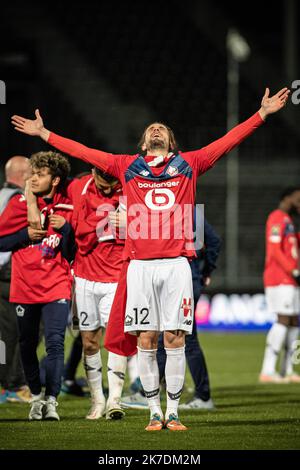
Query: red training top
{"points": [[99, 250], [282, 250]]}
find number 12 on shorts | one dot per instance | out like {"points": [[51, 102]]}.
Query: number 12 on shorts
{"points": [[141, 317]]}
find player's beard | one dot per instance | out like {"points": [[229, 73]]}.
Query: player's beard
{"points": [[157, 143]]}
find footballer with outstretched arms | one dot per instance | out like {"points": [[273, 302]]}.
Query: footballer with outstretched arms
{"points": [[160, 185], [41, 278], [281, 281]]}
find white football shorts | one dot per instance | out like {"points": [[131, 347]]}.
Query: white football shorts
{"points": [[159, 295], [93, 301], [283, 299]]}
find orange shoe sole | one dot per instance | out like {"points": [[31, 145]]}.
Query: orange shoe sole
{"points": [[155, 426], [270, 379], [174, 426]]}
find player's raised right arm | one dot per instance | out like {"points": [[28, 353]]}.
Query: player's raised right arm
{"points": [[35, 127]]}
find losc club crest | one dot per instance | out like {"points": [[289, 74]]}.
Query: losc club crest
{"points": [[20, 311], [172, 171], [128, 320], [187, 307]]}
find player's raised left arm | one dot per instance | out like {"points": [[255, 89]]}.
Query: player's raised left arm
{"points": [[272, 104], [239, 133], [207, 156]]}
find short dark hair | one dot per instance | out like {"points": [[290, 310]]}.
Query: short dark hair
{"points": [[58, 164], [106, 176], [173, 144], [288, 192]]}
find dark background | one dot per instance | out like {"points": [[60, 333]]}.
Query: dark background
{"points": [[101, 71]]}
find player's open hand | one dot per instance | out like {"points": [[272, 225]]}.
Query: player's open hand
{"points": [[272, 104], [29, 126]]}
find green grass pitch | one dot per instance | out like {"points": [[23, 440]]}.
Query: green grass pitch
{"points": [[247, 415]]}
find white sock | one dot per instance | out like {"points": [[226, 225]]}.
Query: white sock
{"points": [[149, 375], [274, 343], [38, 397], [132, 368], [69, 382], [93, 369], [174, 373], [50, 398], [116, 368], [287, 361]]}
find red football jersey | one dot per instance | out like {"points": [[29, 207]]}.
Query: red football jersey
{"points": [[40, 274], [282, 250], [99, 250], [160, 199]]}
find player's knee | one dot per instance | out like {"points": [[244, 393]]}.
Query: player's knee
{"points": [[90, 346], [174, 343], [174, 339], [27, 344], [55, 344], [148, 342], [27, 348], [283, 319], [294, 321]]}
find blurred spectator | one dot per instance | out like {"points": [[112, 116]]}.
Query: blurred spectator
{"points": [[41, 273], [12, 379], [281, 281]]}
